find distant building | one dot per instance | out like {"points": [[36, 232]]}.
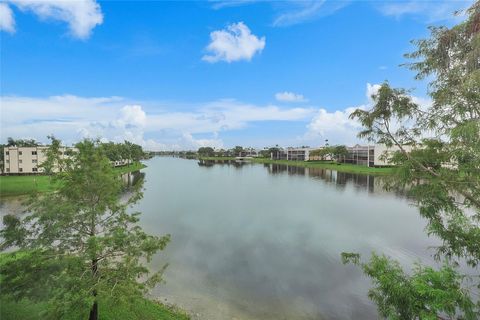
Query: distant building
{"points": [[382, 150], [371, 156], [293, 154], [249, 152], [366, 155], [279, 154], [360, 155], [26, 160]]}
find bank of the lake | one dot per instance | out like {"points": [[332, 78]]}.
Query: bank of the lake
{"points": [[19, 185], [275, 253], [341, 167], [141, 309]]}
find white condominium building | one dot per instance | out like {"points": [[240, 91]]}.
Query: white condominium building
{"points": [[26, 160]]}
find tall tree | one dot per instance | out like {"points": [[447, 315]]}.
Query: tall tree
{"points": [[441, 173], [337, 152], [237, 150], [80, 243], [21, 142], [206, 151]]}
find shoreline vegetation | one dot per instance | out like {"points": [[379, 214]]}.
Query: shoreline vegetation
{"points": [[80, 250], [341, 167], [21, 185], [142, 308]]}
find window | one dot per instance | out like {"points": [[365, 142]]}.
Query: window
{"points": [[19, 153], [7, 152], [20, 161], [7, 169], [20, 169], [8, 161], [34, 153], [34, 169], [34, 160]]}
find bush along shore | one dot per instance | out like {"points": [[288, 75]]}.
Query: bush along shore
{"points": [[80, 253], [142, 308]]}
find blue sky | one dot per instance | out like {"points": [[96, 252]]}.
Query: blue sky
{"points": [[179, 75]]}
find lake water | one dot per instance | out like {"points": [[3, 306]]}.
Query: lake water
{"points": [[260, 241], [253, 241]]}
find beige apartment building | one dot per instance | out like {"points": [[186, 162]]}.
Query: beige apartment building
{"points": [[26, 160]]}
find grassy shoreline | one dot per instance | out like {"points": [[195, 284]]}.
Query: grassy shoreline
{"points": [[20, 185], [142, 309], [341, 167]]}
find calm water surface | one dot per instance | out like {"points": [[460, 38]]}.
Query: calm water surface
{"points": [[259, 241], [264, 242]]}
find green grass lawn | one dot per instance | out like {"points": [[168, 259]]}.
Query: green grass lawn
{"points": [[22, 185], [139, 309], [133, 167], [341, 167], [142, 309], [27, 184]]}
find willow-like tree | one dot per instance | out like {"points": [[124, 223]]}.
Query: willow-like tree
{"points": [[81, 244], [438, 162]]}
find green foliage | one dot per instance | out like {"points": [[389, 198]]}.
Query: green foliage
{"points": [[237, 150], [83, 242], [266, 153], [331, 152], [139, 309], [425, 294], [21, 142], [24, 184], [28, 184], [319, 152], [441, 172], [123, 151], [206, 152], [339, 152], [53, 157]]}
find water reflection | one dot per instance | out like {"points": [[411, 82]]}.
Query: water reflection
{"points": [[133, 179], [341, 179], [369, 183], [211, 163], [253, 241]]}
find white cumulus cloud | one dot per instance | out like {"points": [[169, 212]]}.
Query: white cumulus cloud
{"points": [[372, 89], [338, 128], [234, 43], [160, 126], [335, 126], [7, 21], [287, 96], [133, 115], [80, 15]]}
